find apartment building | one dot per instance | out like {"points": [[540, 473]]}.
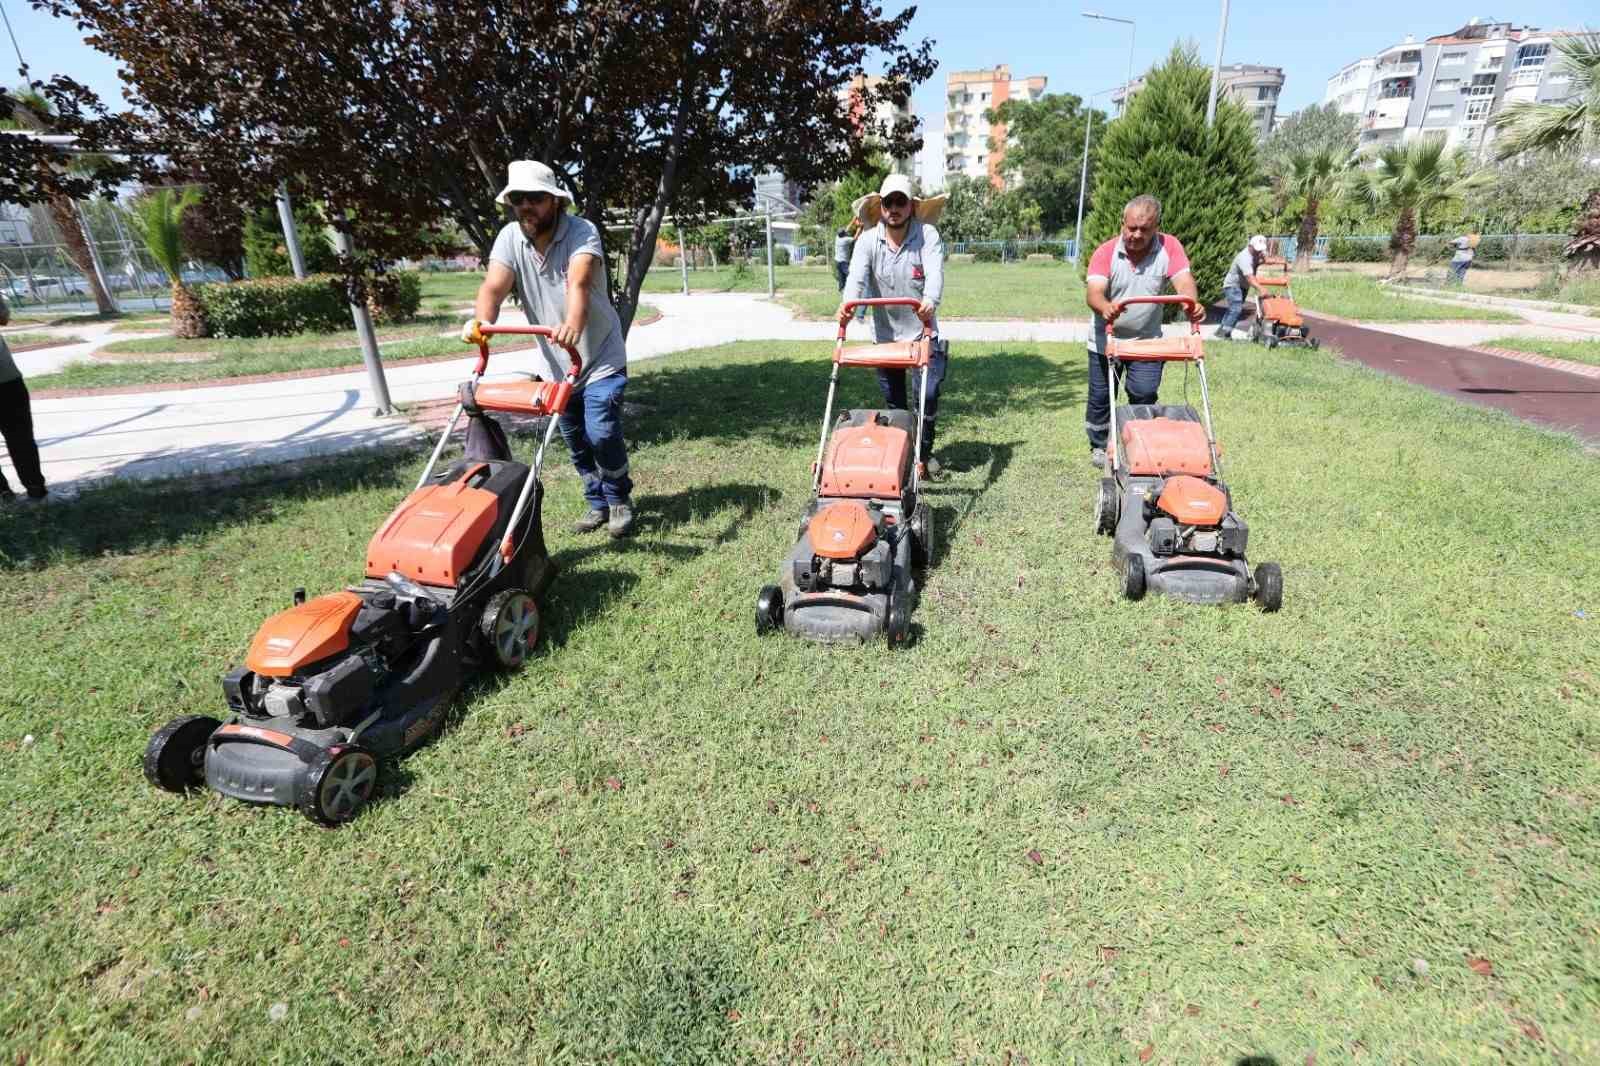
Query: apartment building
{"points": [[971, 145], [1254, 88], [1450, 86], [885, 114]]}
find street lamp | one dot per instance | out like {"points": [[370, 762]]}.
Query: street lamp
{"points": [[1083, 178], [1216, 68], [1133, 29]]}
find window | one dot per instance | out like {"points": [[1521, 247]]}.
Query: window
{"points": [[1493, 62], [1452, 58], [1478, 108], [1447, 85], [983, 96], [1532, 55], [1396, 89], [1439, 114]]}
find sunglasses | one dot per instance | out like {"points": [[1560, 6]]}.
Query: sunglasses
{"points": [[896, 202], [536, 198]]}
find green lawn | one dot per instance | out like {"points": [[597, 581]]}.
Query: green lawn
{"points": [[17, 340], [1359, 297], [126, 318], [1059, 827], [209, 358], [1577, 351], [1027, 290], [447, 290]]}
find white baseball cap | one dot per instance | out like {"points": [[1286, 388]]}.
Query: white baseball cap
{"points": [[895, 183], [530, 175], [1258, 243]]}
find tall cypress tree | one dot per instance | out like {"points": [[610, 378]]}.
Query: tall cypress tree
{"points": [[1202, 177]]}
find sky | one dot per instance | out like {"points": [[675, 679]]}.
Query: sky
{"points": [[1309, 39]]}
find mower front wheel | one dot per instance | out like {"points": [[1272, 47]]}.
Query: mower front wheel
{"points": [[897, 626], [339, 782], [769, 609], [1269, 586], [1133, 579], [922, 536], [175, 758], [1105, 507], [509, 627]]}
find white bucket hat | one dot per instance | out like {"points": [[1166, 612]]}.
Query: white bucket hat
{"points": [[1258, 243], [530, 175], [870, 207]]}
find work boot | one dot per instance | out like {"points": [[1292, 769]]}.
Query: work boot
{"points": [[1222, 334], [42, 496], [7, 497], [591, 521], [1097, 458], [621, 519], [934, 468]]}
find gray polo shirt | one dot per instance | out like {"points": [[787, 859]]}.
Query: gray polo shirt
{"points": [[542, 283], [841, 249], [8, 366], [1243, 268], [914, 269], [1165, 260], [1464, 250]]}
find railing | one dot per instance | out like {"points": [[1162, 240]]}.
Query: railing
{"points": [[1515, 245]]}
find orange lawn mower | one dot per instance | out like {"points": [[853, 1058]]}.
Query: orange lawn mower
{"points": [[849, 576], [1163, 501], [334, 684], [1277, 319]]}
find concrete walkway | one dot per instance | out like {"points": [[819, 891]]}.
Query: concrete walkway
{"points": [[205, 429]]}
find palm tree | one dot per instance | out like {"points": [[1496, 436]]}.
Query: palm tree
{"points": [[158, 216], [1570, 124], [1407, 181], [31, 112], [1314, 176]]}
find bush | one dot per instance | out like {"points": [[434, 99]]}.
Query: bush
{"points": [[276, 307], [1348, 250], [394, 297], [987, 253], [780, 255]]}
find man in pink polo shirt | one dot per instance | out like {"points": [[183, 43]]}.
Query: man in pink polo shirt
{"points": [[1139, 262]]}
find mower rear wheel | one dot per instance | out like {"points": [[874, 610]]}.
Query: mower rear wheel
{"points": [[922, 536], [769, 609], [1255, 330], [1272, 340], [1105, 507], [339, 782], [509, 627], [1314, 343], [175, 758], [1133, 579], [897, 626], [1269, 586]]}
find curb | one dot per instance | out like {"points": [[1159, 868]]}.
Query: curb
{"points": [[1584, 370]]}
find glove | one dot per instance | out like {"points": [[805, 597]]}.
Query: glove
{"points": [[471, 334]]}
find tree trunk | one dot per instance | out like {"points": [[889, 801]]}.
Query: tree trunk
{"points": [[1306, 241], [65, 216], [1401, 241], [188, 318], [1583, 251]]}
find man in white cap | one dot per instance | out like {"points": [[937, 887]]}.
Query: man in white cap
{"points": [[902, 255], [1241, 276], [555, 261]]}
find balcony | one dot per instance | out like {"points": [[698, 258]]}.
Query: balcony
{"points": [[1398, 70], [1526, 76]]}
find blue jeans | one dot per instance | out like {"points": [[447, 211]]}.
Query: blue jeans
{"points": [[1230, 318], [1458, 271], [592, 426], [1142, 380], [892, 383]]}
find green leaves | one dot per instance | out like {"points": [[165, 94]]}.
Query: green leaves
{"points": [[157, 216]]}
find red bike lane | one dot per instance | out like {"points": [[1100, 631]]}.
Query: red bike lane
{"points": [[1552, 398]]}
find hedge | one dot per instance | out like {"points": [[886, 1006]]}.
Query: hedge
{"points": [[277, 307]]}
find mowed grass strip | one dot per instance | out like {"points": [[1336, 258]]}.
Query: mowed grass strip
{"points": [[1057, 821], [1355, 296], [1577, 351]]}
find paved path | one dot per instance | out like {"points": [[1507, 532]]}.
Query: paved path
{"points": [[95, 335], [1553, 398], [210, 428]]}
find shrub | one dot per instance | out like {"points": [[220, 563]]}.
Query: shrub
{"points": [[780, 255], [1349, 250], [394, 297], [275, 307], [987, 253]]}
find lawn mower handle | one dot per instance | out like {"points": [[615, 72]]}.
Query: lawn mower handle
{"points": [[1187, 303], [882, 301], [535, 331]]}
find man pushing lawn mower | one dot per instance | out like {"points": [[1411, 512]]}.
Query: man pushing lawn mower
{"points": [[1138, 262], [555, 261], [899, 257], [1241, 278]]}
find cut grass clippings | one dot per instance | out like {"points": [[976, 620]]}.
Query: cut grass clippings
{"points": [[1577, 351], [1361, 298], [1058, 826], [19, 341]]}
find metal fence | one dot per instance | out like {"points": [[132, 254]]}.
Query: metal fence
{"points": [[1493, 247]]}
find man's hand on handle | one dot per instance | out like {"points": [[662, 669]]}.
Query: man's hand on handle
{"points": [[845, 311], [1197, 314], [925, 311], [566, 334], [471, 333]]}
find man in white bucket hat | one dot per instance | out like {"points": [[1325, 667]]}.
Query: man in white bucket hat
{"points": [[900, 253], [556, 262], [1240, 279]]}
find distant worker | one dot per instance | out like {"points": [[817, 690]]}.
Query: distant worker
{"points": [[1466, 247], [553, 258], [1138, 262], [843, 245], [1241, 277], [902, 254], [16, 425]]}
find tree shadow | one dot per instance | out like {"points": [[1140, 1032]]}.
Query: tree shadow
{"points": [[952, 503]]}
